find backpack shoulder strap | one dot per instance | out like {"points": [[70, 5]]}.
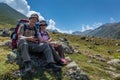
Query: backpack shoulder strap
{"points": [[36, 31], [25, 26]]}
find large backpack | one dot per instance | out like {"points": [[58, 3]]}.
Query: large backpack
{"points": [[14, 35]]}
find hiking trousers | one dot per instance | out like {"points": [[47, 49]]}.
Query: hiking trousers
{"points": [[57, 58], [60, 51], [25, 47]]}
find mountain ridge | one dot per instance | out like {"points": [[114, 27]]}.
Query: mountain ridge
{"points": [[8, 15], [109, 30], [81, 33], [92, 55]]}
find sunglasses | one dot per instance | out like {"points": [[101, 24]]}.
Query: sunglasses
{"points": [[43, 25]]}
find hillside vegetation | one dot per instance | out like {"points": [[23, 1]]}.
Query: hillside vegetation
{"points": [[89, 47], [109, 30], [93, 55], [8, 15]]}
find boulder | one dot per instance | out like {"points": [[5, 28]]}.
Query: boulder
{"points": [[7, 43], [68, 59], [67, 47], [118, 50], [75, 73], [114, 62], [11, 57], [15, 56], [5, 33], [63, 39], [117, 44], [72, 65]]}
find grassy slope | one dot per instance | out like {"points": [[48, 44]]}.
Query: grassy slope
{"points": [[110, 30], [8, 26], [95, 70], [9, 15]]}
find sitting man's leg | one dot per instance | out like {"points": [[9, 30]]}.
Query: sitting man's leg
{"points": [[57, 58], [45, 48], [60, 50], [23, 47]]}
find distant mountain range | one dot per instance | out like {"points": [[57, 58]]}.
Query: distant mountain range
{"points": [[81, 33], [9, 15], [53, 30], [109, 30]]}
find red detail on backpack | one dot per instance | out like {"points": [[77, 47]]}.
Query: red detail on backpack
{"points": [[14, 35]]}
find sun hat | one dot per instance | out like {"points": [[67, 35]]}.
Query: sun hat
{"points": [[43, 22], [34, 15]]}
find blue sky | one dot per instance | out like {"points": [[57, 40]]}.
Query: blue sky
{"points": [[76, 15], [73, 14]]}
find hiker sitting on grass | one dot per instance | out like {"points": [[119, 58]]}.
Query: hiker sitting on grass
{"points": [[28, 42], [44, 37]]}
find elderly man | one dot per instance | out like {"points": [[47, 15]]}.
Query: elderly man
{"points": [[28, 42]]}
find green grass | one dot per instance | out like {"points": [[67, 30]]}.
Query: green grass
{"points": [[95, 69], [4, 26]]}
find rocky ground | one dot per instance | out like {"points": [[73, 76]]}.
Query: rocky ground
{"points": [[89, 58]]}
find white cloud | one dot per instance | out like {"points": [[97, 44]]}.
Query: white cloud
{"points": [[51, 24], [21, 6], [84, 27], [53, 27], [112, 20], [88, 27], [96, 25]]}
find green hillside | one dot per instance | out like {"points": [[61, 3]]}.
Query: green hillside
{"points": [[93, 58], [8, 15], [111, 30], [92, 55]]}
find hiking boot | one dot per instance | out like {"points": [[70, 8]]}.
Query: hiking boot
{"points": [[53, 67], [28, 66]]}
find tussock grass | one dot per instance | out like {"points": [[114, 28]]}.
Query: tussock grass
{"points": [[94, 69]]}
